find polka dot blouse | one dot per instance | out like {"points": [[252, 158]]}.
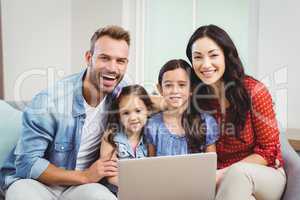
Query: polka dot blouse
{"points": [[260, 134]]}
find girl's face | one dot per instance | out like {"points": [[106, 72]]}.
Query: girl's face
{"points": [[175, 88], [133, 113], [208, 60]]}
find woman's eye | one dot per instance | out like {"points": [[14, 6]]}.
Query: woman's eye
{"points": [[197, 57]]}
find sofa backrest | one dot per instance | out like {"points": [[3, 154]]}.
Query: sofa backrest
{"points": [[10, 128]]}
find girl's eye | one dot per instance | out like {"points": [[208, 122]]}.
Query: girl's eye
{"points": [[214, 55], [138, 110], [125, 113]]}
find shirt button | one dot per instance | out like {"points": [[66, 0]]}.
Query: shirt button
{"points": [[62, 148]]}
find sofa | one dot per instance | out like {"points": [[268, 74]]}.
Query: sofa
{"points": [[10, 125]]}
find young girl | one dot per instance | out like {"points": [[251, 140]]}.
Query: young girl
{"points": [[179, 130], [124, 135]]}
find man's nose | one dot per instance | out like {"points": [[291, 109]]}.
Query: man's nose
{"points": [[112, 66]]}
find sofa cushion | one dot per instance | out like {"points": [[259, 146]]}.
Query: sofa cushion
{"points": [[10, 126]]}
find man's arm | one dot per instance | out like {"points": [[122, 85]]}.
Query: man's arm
{"points": [[99, 169], [107, 152]]}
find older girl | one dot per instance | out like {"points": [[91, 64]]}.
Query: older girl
{"points": [[176, 130]]}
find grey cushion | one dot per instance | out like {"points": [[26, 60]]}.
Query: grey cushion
{"points": [[292, 169]]}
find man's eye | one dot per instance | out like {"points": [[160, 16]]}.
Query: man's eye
{"points": [[103, 58], [121, 62]]}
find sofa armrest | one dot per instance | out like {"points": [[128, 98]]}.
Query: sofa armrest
{"points": [[292, 169]]}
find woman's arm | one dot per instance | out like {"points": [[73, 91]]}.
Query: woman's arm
{"points": [[265, 128], [108, 152], [158, 103]]}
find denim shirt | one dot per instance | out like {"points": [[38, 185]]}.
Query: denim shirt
{"points": [[124, 149], [167, 143], [51, 131]]}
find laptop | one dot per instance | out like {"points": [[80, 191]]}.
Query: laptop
{"points": [[191, 176]]}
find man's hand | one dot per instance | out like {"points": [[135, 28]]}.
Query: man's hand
{"points": [[100, 169]]}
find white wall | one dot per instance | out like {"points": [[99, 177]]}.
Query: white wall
{"points": [[233, 16], [36, 36], [278, 56], [170, 23], [86, 18], [46, 40]]}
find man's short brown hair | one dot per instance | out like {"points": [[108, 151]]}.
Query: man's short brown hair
{"points": [[115, 32]]}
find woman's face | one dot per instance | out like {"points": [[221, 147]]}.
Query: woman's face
{"points": [[208, 60]]}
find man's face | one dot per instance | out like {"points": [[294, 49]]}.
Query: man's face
{"points": [[108, 63]]}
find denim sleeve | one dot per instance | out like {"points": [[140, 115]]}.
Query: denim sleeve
{"points": [[38, 128], [151, 133], [212, 132]]}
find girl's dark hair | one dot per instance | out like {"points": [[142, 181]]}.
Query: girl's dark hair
{"points": [[234, 75], [172, 65], [114, 125], [193, 124]]}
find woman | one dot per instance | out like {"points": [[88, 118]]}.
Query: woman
{"points": [[250, 164]]}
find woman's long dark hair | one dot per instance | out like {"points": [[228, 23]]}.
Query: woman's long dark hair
{"points": [[193, 124], [114, 125], [233, 78]]}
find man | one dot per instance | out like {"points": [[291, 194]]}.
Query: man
{"points": [[57, 154]]}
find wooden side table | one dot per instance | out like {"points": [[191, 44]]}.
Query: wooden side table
{"points": [[293, 136]]}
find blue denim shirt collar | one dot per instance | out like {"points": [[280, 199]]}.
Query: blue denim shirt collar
{"points": [[122, 138], [78, 99]]}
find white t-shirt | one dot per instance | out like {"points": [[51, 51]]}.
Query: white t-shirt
{"points": [[92, 130]]}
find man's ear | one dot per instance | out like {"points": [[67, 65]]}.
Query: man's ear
{"points": [[159, 89], [88, 58]]}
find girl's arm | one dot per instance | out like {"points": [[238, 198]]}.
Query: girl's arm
{"points": [[151, 150], [108, 152]]}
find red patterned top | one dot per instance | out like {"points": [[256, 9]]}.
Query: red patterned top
{"points": [[260, 136]]}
